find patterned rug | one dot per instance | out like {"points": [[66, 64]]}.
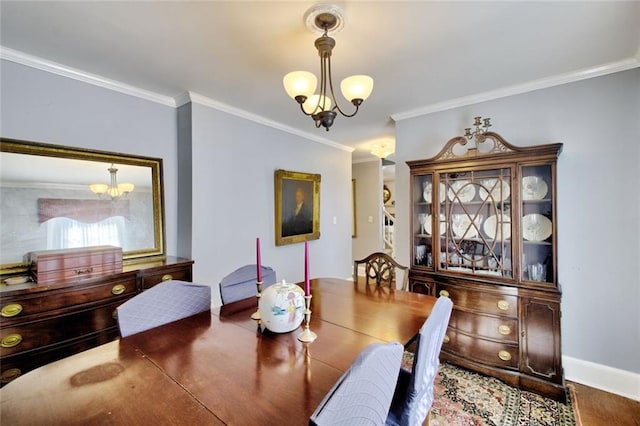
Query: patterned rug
{"points": [[465, 398]]}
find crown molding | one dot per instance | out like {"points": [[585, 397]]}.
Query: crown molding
{"points": [[97, 80], [517, 89], [211, 103], [86, 77]]}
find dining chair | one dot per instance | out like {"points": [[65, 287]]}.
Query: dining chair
{"points": [[241, 283], [161, 304], [382, 268], [362, 395], [413, 396]]}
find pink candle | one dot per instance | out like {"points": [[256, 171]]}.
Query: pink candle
{"points": [[307, 286], [258, 266]]}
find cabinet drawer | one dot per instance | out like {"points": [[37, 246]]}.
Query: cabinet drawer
{"points": [[496, 328], [499, 354], [36, 334], [152, 277], [480, 301], [423, 287], [16, 309], [16, 365]]}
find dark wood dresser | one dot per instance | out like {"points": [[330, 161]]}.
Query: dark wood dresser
{"points": [[41, 324]]}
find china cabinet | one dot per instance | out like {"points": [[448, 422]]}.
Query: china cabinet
{"points": [[484, 234], [43, 323]]}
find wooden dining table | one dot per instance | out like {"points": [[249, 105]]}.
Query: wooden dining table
{"points": [[217, 367]]}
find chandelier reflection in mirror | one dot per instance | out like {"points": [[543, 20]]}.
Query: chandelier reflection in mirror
{"points": [[301, 85], [114, 190]]}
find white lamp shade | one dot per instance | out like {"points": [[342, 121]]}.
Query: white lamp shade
{"points": [[322, 103], [125, 188], [356, 87], [300, 83], [99, 188]]}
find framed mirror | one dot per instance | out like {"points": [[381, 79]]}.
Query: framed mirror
{"points": [[55, 197]]}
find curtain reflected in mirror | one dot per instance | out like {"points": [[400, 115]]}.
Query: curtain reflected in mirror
{"points": [[65, 233], [54, 197]]}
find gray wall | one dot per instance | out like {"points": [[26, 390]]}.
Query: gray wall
{"points": [[230, 162], [598, 121], [44, 107], [368, 176], [233, 165]]}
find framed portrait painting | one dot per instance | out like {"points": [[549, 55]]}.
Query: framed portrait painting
{"points": [[297, 201]]}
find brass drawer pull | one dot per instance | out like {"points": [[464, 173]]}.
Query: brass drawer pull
{"points": [[10, 374], [11, 310], [504, 355], [83, 271], [114, 314], [444, 293], [446, 339], [167, 277], [118, 289], [503, 305], [504, 329], [11, 340]]}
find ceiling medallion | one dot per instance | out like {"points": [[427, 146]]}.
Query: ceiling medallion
{"points": [[321, 15]]}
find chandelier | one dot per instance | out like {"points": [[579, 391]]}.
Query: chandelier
{"points": [[114, 190], [301, 85], [383, 149]]}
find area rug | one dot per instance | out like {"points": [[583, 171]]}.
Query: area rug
{"points": [[465, 398]]}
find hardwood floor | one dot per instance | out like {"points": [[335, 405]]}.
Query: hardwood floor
{"points": [[600, 408]]}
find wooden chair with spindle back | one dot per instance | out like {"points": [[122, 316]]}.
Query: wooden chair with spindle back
{"points": [[382, 268]]}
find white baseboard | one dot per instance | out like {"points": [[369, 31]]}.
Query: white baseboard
{"points": [[609, 379]]}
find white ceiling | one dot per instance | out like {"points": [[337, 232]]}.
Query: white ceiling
{"points": [[423, 56], [53, 171]]}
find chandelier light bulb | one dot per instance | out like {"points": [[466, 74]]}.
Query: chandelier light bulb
{"points": [[383, 150], [99, 188], [317, 103], [125, 188], [356, 87], [300, 83]]}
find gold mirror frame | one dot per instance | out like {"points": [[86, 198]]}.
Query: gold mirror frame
{"points": [[66, 152]]}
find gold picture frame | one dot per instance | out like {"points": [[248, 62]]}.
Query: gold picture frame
{"points": [[295, 220]]}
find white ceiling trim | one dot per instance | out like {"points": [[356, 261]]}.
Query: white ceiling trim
{"points": [[97, 80], [208, 102], [542, 83], [86, 77]]}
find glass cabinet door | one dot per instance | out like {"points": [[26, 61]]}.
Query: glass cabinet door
{"points": [[422, 220], [538, 230], [475, 222]]}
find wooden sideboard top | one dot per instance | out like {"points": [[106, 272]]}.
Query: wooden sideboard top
{"points": [[128, 270]]}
